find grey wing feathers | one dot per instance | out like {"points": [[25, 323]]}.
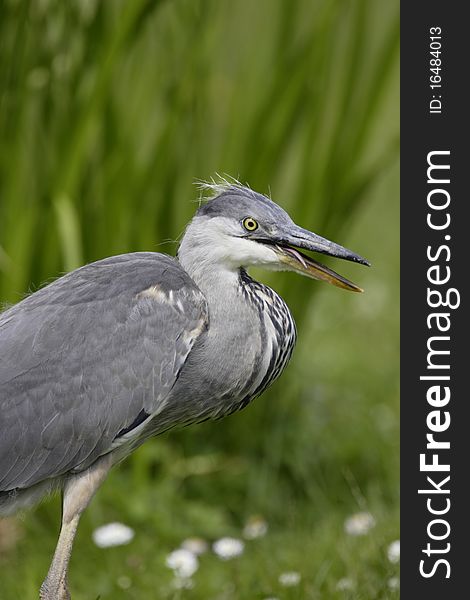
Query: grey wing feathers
{"points": [[81, 358]]}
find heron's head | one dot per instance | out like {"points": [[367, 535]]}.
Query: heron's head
{"points": [[241, 228]]}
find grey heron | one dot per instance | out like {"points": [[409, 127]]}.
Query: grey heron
{"points": [[127, 347]]}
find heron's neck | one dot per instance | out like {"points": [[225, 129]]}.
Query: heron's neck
{"points": [[212, 271], [220, 284], [215, 281]]}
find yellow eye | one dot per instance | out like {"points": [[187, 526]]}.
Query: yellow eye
{"points": [[250, 224]]}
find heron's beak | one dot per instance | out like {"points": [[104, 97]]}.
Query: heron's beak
{"points": [[287, 248]]}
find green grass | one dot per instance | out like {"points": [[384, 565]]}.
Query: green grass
{"points": [[109, 111]]}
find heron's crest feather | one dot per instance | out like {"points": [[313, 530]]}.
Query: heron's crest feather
{"points": [[221, 184]]}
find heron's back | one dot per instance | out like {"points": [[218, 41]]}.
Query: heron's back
{"points": [[84, 358]]}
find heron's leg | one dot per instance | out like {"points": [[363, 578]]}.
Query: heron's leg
{"points": [[78, 491], [55, 584]]}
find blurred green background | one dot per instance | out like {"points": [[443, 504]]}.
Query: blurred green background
{"points": [[109, 111]]}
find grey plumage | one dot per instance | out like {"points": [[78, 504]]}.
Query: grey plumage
{"points": [[130, 346], [83, 356]]}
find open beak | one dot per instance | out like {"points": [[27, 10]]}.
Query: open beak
{"points": [[287, 248]]}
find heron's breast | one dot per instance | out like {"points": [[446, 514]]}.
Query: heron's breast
{"points": [[248, 344], [260, 355], [278, 337]]}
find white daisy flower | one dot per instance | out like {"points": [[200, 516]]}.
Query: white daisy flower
{"points": [[393, 552], [254, 528], [345, 584], [290, 578], [112, 534], [195, 545], [228, 547], [393, 583], [183, 563], [124, 582], [359, 523]]}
